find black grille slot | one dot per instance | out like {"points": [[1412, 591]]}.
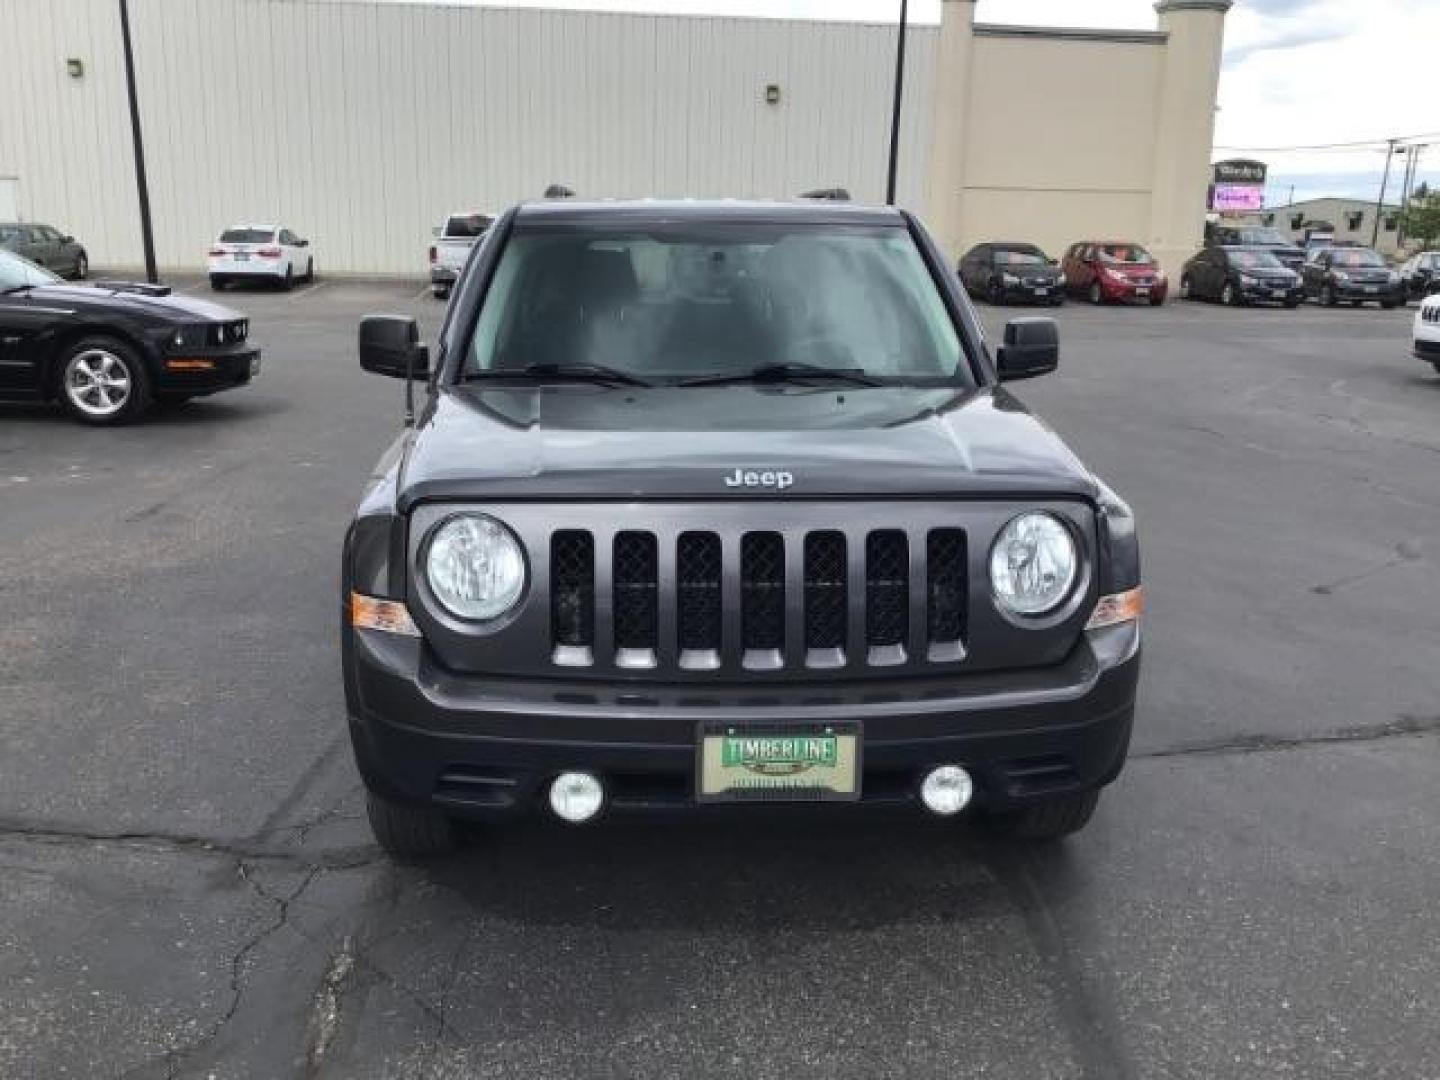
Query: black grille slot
{"points": [[946, 595], [762, 591], [887, 588], [634, 572], [826, 611], [572, 588], [697, 570]]}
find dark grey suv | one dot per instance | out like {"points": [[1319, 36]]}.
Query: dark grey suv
{"points": [[58, 252], [722, 508]]}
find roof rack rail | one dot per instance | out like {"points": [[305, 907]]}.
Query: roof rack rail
{"points": [[559, 191], [831, 194]]}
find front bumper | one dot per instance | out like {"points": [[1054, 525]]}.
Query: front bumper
{"points": [[1378, 293], [1049, 293], [1273, 294], [481, 748], [186, 372], [1134, 294]]}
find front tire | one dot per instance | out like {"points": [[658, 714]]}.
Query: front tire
{"points": [[1228, 296], [103, 382], [409, 832], [288, 281], [1186, 289], [82, 267], [1327, 295], [995, 294], [440, 292], [1051, 819], [1097, 294], [309, 271]]}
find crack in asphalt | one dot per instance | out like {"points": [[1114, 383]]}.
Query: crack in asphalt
{"points": [[343, 858], [1402, 727], [1407, 551]]}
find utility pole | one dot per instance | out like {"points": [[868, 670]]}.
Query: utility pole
{"points": [[1412, 170], [1384, 180], [147, 235], [899, 93]]}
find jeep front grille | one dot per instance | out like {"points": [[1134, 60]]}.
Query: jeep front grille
{"points": [[796, 599]]}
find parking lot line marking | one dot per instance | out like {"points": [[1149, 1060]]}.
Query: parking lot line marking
{"points": [[421, 294], [308, 290]]}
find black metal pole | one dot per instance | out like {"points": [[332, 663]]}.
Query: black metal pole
{"points": [[147, 235], [899, 93], [1409, 153], [1380, 202]]}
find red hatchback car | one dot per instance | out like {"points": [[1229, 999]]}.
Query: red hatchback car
{"points": [[1110, 271]]}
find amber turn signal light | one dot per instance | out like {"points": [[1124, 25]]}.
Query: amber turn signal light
{"points": [[190, 365], [372, 613], [1117, 608]]}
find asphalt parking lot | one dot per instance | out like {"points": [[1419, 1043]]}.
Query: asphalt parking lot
{"points": [[188, 887]]}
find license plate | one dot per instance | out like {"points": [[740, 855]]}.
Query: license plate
{"points": [[242, 256], [1042, 292], [778, 762], [1372, 288], [1142, 291], [1277, 294]]}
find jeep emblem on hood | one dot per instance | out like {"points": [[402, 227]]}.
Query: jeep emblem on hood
{"points": [[771, 478]]}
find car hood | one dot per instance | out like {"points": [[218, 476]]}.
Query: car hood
{"points": [[594, 442], [1133, 270], [1042, 271], [176, 307]]}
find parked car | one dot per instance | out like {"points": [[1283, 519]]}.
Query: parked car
{"points": [[107, 351], [271, 254], [1353, 274], [1240, 275], [632, 558], [1004, 272], [1290, 254], [1421, 274], [451, 248], [1108, 271], [1426, 332], [46, 246]]}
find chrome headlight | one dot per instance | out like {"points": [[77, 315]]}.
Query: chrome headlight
{"points": [[1033, 565], [475, 567], [1010, 279]]}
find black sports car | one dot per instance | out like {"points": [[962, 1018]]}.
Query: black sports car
{"points": [[1240, 275], [107, 351]]}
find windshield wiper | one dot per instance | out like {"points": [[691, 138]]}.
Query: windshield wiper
{"points": [[597, 373], [15, 289], [786, 373]]}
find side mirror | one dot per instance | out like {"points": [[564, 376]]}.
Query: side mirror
{"points": [[391, 345], [302, 243], [1031, 348], [67, 239]]}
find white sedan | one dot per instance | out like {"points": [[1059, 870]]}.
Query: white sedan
{"points": [[1427, 331], [270, 253]]}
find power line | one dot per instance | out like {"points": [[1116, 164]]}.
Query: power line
{"points": [[1376, 144]]}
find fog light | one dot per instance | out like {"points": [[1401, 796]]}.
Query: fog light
{"points": [[576, 797], [946, 790]]}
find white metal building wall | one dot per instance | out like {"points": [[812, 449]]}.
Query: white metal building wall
{"points": [[362, 123]]}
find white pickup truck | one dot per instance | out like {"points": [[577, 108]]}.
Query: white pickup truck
{"points": [[451, 248]]}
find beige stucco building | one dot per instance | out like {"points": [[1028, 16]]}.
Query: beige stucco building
{"points": [[1057, 135], [362, 122]]}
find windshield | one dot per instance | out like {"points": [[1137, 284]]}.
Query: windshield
{"points": [[247, 236], [1249, 260], [18, 273], [1263, 236], [685, 300], [1352, 258], [466, 226], [1131, 254], [1019, 257]]}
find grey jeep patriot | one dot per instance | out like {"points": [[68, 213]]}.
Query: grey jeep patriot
{"points": [[722, 507]]}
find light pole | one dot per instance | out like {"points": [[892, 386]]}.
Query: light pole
{"points": [[899, 93], [147, 235]]}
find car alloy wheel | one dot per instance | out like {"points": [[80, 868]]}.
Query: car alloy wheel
{"points": [[1227, 295], [98, 383], [1096, 295]]}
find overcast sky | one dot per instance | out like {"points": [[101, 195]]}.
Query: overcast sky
{"points": [[1297, 72]]}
